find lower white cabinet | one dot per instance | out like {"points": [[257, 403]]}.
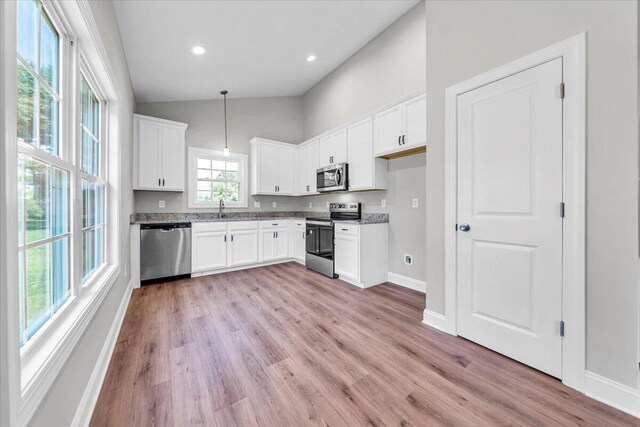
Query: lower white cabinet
{"points": [[274, 240], [297, 243], [361, 253], [242, 245], [208, 246]]}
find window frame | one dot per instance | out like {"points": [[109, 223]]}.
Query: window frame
{"points": [[195, 153]]}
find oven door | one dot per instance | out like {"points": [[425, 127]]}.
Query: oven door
{"points": [[332, 178], [319, 241]]}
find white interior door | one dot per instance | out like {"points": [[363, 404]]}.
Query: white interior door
{"points": [[509, 193]]}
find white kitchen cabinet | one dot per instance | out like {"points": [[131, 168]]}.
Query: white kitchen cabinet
{"points": [[159, 153], [401, 128], [298, 241], [308, 164], [366, 172], [361, 253], [333, 148], [242, 238], [208, 246], [274, 240], [273, 167]]}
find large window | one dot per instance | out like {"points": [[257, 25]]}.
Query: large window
{"points": [[214, 177], [44, 237], [61, 159]]}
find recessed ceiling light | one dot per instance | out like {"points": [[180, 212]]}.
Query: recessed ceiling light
{"points": [[311, 58], [198, 50]]}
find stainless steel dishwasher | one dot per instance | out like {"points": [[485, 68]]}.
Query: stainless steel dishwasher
{"points": [[165, 251]]}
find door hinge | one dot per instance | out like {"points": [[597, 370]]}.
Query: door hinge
{"points": [[561, 209], [561, 90], [562, 328]]}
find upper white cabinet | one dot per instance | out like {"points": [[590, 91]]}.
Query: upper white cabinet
{"points": [[273, 167], [333, 148], [308, 163], [158, 149], [401, 128], [366, 172]]}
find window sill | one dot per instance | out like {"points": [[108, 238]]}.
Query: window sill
{"points": [[43, 360]]}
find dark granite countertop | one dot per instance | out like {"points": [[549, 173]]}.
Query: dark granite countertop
{"points": [[160, 218]]}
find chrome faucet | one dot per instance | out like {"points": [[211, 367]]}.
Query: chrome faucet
{"points": [[220, 208]]}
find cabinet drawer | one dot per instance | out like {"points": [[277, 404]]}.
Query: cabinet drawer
{"points": [[243, 225], [200, 227], [347, 229], [273, 224], [299, 224]]}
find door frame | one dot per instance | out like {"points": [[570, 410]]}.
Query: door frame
{"points": [[573, 52]]}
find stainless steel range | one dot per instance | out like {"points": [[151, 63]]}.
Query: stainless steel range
{"points": [[320, 245]]}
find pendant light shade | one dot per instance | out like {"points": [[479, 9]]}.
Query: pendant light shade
{"points": [[226, 144]]}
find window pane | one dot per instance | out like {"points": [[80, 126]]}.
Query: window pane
{"points": [[228, 176], [98, 249], [92, 251], [27, 105], [60, 205], [204, 186], [61, 283], [22, 309], [28, 31], [48, 122], [21, 200], [38, 286], [36, 199], [204, 196], [90, 154], [99, 206], [232, 166], [204, 174], [218, 164], [232, 192], [91, 130], [204, 164], [87, 253], [49, 48]]}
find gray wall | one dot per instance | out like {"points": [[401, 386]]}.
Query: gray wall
{"points": [[466, 38], [60, 404], [273, 118], [390, 66]]}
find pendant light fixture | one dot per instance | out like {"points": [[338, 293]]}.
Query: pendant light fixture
{"points": [[226, 145]]}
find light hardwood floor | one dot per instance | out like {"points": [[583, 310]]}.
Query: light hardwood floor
{"points": [[283, 346]]}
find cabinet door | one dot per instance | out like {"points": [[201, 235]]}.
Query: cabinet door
{"points": [[360, 155], [326, 150], [267, 245], [299, 243], [172, 158], [415, 121], [388, 128], [281, 248], [347, 257], [285, 170], [339, 145], [313, 164], [267, 168], [149, 158], [303, 169], [243, 247], [208, 251]]}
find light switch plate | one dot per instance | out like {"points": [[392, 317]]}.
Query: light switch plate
{"points": [[414, 203], [161, 204], [256, 204], [274, 204], [383, 203]]}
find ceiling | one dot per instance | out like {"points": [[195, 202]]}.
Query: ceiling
{"points": [[254, 48]]}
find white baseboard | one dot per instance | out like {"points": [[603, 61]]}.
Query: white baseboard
{"points": [[612, 393], [91, 393], [408, 282], [435, 320]]}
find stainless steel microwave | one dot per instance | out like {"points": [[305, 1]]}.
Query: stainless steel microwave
{"points": [[333, 178]]}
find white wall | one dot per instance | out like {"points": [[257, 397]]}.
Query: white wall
{"points": [[389, 67], [60, 404], [272, 118], [466, 38]]}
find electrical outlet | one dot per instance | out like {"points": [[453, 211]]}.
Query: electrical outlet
{"points": [[274, 204], [161, 204], [256, 204], [383, 203], [408, 259], [414, 203], [310, 204]]}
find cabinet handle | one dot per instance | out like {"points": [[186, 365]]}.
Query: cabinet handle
{"points": [[274, 224], [276, 234], [303, 235], [158, 182], [232, 237], [163, 182], [225, 238], [307, 188], [402, 139], [345, 229], [273, 234]]}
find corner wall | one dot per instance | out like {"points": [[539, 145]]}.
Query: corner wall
{"points": [[467, 38], [59, 405]]}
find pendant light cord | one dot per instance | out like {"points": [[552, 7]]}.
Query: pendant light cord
{"points": [[224, 94]]}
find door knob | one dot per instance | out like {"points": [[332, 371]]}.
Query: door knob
{"points": [[464, 227]]}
